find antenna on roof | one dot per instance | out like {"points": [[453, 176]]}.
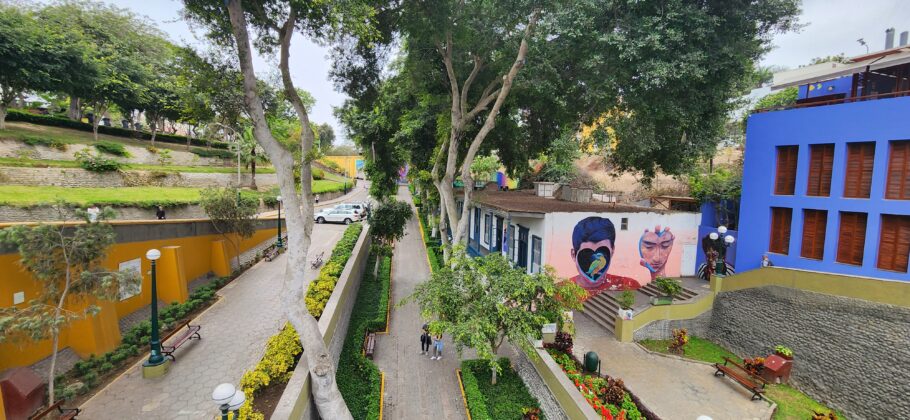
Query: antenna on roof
{"points": [[863, 43]]}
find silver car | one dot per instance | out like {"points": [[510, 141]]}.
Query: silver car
{"points": [[337, 215]]}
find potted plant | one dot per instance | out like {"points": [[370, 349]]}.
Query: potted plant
{"points": [[670, 288], [626, 300], [783, 351]]}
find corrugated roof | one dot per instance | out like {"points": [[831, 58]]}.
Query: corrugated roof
{"points": [[527, 201], [831, 70]]}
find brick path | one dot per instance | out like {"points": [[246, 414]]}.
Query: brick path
{"points": [[671, 388], [415, 386], [234, 332]]}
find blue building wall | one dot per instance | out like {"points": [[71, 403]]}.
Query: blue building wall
{"points": [[877, 120]]}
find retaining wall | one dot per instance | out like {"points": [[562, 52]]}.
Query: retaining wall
{"points": [[15, 149], [76, 177]]}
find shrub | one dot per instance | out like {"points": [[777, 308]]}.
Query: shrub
{"points": [[318, 173], [334, 167], [46, 142], [563, 343], [281, 354], [96, 162], [508, 399], [224, 154], [111, 148], [626, 299], [476, 403], [679, 341], [783, 350], [164, 157], [320, 289], [669, 286]]}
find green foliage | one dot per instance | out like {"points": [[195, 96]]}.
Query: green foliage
{"points": [[332, 165], [484, 168], [717, 186], [282, 352], [505, 400], [388, 221], [483, 301], [164, 157], [783, 350], [96, 162], [16, 115], [111, 148], [784, 98], [670, 287], [560, 159], [626, 299], [43, 141], [224, 154], [232, 214], [358, 378], [318, 173], [321, 288], [602, 393]]}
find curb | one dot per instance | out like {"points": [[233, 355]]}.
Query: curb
{"points": [[464, 399], [381, 392]]}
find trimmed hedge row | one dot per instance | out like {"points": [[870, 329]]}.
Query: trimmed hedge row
{"points": [[17, 115], [358, 378], [320, 289], [282, 352], [434, 253], [508, 399]]}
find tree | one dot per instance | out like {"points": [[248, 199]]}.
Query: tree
{"points": [[722, 188], [560, 163], [483, 301], [785, 97], [484, 168], [276, 22], [232, 215], [65, 259], [326, 136], [387, 225]]}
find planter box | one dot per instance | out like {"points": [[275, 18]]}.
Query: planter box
{"points": [[662, 300]]}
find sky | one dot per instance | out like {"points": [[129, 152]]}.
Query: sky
{"points": [[830, 27]]}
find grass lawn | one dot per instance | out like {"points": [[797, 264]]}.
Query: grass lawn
{"points": [[18, 129], [28, 196], [40, 163], [791, 403], [505, 400]]}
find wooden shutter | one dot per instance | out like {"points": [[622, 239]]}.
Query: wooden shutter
{"points": [[851, 238], [785, 182], [894, 243], [898, 183], [780, 230], [858, 176], [821, 162], [814, 224]]}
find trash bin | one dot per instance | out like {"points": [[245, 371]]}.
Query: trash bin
{"points": [[592, 362]]}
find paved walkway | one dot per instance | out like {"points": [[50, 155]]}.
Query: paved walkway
{"points": [[415, 386], [234, 332], [671, 388]]}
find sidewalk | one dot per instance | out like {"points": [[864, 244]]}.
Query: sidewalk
{"points": [[234, 332], [671, 388], [415, 386]]}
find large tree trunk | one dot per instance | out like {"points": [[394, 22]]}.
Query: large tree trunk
{"points": [[2, 116], [253, 169], [154, 127], [74, 110], [299, 211]]}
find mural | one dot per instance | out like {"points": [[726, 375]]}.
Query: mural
{"points": [[624, 250], [714, 250]]}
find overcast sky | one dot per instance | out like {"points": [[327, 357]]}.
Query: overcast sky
{"points": [[831, 27]]}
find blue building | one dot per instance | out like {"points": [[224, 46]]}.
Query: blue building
{"points": [[826, 183]]}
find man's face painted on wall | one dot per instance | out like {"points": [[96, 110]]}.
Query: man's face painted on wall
{"points": [[592, 259], [654, 248]]}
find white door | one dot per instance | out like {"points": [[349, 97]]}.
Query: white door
{"points": [[687, 268]]}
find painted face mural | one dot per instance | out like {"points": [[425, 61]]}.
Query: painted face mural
{"points": [[592, 249], [654, 249]]}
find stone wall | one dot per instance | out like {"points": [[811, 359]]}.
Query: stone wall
{"points": [[50, 214], [852, 354], [73, 177], [663, 329], [17, 149]]}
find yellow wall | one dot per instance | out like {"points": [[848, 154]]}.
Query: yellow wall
{"points": [[349, 163], [183, 259]]}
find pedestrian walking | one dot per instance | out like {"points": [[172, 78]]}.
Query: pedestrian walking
{"points": [[93, 213], [317, 198], [425, 342], [437, 348]]}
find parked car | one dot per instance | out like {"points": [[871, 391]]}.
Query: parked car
{"points": [[360, 208], [346, 216]]}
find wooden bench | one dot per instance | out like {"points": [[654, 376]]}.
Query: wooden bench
{"points": [[62, 413], [271, 253], [743, 377], [369, 345], [191, 332]]}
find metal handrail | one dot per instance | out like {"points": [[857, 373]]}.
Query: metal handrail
{"points": [[834, 101]]}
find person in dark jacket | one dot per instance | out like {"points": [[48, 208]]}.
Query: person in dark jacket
{"points": [[160, 213]]}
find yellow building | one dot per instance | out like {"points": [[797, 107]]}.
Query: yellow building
{"points": [[351, 164]]}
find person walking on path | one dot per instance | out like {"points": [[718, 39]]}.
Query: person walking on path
{"points": [[437, 348], [160, 213], [425, 342], [317, 198]]}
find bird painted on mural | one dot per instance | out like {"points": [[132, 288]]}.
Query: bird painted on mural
{"points": [[598, 263]]}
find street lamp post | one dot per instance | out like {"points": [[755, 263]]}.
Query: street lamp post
{"points": [[280, 243], [228, 398], [156, 359], [721, 263]]}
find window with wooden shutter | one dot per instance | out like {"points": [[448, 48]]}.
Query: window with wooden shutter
{"points": [[852, 238], [780, 230], [858, 176], [814, 224], [898, 181], [894, 243], [821, 163], [785, 182]]}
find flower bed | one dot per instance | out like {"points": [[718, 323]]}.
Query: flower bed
{"points": [[320, 289], [606, 395], [358, 378], [508, 399]]}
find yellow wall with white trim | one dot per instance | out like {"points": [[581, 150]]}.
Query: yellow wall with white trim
{"points": [[349, 163]]}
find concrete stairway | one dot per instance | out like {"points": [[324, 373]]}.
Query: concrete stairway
{"points": [[651, 290], [603, 309]]}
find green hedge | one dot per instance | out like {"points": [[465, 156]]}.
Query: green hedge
{"points": [[505, 400], [43, 141], [434, 253], [358, 378], [321, 288], [18, 115], [224, 154], [112, 148]]}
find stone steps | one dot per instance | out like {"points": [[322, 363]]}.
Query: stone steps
{"points": [[602, 308], [651, 290]]}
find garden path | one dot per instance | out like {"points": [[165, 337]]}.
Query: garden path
{"points": [[415, 386], [672, 388], [234, 332]]}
